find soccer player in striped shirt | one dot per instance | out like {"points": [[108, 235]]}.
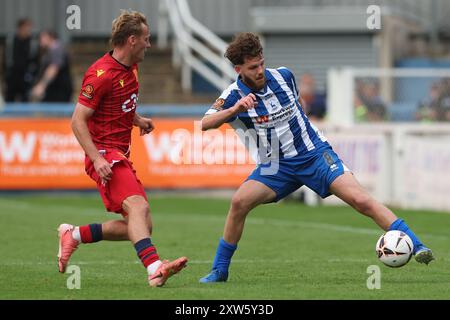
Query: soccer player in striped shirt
{"points": [[102, 122], [264, 107]]}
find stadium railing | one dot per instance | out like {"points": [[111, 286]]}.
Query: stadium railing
{"points": [[358, 95], [188, 51]]}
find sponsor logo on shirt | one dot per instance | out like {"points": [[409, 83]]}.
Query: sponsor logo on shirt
{"points": [[330, 161], [100, 72], [276, 118], [262, 119], [130, 104]]}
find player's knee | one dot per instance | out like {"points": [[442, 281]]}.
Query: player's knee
{"points": [[138, 205], [144, 208], [239, 205]]}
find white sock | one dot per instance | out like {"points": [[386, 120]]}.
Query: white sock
{"points": [[152, 268], [76, 234]]}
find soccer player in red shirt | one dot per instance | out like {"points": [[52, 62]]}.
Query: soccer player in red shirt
{"points": [[102, 122]]}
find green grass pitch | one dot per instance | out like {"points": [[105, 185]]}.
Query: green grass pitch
{"points": [[288, 251]]}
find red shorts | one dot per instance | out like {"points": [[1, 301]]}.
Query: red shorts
{"points": [[123, 184]]}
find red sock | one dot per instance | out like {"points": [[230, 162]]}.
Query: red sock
{"points": [[146, 251], [91, 233]]}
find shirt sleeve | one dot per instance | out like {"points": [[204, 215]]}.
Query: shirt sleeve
{"points": [[94, 87], [290, 80], [222, 103]]}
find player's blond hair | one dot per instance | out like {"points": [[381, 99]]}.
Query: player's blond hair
{"points": [[128, 23]]}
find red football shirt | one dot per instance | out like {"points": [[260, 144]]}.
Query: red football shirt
{"points": [[111, 89]]}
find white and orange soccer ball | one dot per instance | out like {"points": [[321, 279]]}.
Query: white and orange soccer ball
{"points": [[394, 248]]}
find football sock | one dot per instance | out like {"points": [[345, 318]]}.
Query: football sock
{"points": [[400, 225], [223, 256], [88, 233], [146, 251], [76, 234], [153, 267]]}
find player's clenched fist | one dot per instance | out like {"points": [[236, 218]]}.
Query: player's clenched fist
{"points": [[246, 103]]}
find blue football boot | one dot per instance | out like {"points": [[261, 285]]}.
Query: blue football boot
{"points": [[216, 275], [423, 255]]}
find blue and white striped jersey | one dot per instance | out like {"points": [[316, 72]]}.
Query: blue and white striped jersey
{"points": [[277, 127]]}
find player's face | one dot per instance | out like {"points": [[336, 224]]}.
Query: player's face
{"points": [[252, 72], [44, 40], [142, 42]]}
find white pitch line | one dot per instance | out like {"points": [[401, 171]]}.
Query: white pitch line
{"points": [[201, 262], [14, 204], [234, 261], [294, 223], [114, 262]]}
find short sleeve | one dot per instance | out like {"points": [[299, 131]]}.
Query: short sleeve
{"points": [[289, 77], [94, 87], [224, 102]]}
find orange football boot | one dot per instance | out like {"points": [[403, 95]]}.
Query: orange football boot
{"points": [[67, 245], [166, 270]]}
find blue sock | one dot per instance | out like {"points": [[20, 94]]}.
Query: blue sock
{"points": [[399, 224], [223, 256]]}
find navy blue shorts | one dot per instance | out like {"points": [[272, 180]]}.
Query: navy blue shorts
{"points": [[317, 172]]}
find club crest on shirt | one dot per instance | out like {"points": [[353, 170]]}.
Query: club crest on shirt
{"points": [[218, 105], [88, 91]]}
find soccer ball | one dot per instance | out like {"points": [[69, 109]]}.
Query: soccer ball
{"points": [[394, 248]]}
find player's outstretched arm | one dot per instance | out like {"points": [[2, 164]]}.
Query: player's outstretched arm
{"points": [[217, 119]]}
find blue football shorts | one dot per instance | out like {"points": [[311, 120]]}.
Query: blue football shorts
{"points": [[316, 171]]}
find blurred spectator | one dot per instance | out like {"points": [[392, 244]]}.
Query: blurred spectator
{"points": [[314, 103], [54, 82], [429, 108], [444, 101], [20, 63], [437, 105], [444, 114], [368, 102]]}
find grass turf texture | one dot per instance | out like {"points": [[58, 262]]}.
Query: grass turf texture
{"points": [[288, 251]]}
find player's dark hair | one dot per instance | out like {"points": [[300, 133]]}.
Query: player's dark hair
{"points": [[244, 45], [128, 23]]}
